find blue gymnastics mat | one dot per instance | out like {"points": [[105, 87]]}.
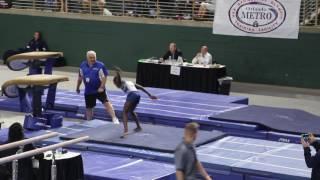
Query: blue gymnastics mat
{"points": [[283, 120], [172, 108], [256, 159], [152, 137], [180, 95], [188, 107], [100, 166], [236, 158], [176, 108], [229, 158]]}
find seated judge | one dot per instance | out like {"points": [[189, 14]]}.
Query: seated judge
{"points": [[173, 52], [203, 57], [37, 43]]}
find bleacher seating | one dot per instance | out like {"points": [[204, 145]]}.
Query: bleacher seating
{"points": [[168, 9]]}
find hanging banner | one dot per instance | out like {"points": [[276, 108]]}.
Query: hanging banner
{"points": [[257, 18]]}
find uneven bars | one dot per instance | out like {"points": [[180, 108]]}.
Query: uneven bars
{"points": [[42, 150], [28, 141]]}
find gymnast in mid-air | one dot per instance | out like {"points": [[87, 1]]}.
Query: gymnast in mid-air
{"points": [[133, 99]]}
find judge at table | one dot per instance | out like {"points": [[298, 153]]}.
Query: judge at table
{"points": [[203, 57], [173, 52], [37, 43]]}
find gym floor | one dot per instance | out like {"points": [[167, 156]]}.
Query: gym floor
{"points": [[266, 95]]}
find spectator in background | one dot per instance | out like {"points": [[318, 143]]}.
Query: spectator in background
{"points": [[205, 7], [186, 161], [203, 57], [5, 4], [168, 8], [173, 53], [87, 4], [132, 7], [312, 161], [25, 167], [63, 6], [100, 4], [184, 9], [37, 43]]}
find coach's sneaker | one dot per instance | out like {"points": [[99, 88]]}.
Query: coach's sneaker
{"points": [[115, 121]]}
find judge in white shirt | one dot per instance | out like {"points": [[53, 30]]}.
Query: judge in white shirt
{"points": [[203, 57]]}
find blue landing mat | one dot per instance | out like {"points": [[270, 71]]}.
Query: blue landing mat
{"points": [[171, 105], [152, 137], [98, 166], [229, 158], [233, 158], [256, 158], [197, 96], [291, 121], [189, 106]]}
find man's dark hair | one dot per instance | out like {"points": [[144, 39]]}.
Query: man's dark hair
{"points": [[192, 127], [15, 132]]}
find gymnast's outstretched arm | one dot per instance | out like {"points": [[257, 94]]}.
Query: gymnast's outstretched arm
{"points": [[145, 91]]}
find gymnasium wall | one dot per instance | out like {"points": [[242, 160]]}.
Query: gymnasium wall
{"points": [[256, 60]]}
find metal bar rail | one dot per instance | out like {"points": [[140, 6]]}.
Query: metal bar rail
{"points": [[41, 150], [28, 141]]}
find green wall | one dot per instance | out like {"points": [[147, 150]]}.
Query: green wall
{"points": [[257, 60]]}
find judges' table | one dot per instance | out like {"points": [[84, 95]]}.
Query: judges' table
{"points": [[189, 77], [69, 166]]}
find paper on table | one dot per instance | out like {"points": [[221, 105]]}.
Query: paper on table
{"points": [[175, 70], [59, 156]]}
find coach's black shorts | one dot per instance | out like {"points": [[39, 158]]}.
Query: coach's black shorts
{"points": [[92, 98]]}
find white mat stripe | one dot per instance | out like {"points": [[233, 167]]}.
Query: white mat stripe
{"points": [[249, 161], [123, 166], [251, 152]]}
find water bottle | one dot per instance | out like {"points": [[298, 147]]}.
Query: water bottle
{"points": [[53, 166], [169, 61], [180, 60]]}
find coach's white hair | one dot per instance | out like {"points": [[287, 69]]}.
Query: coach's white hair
{"points": [[91, 52]]}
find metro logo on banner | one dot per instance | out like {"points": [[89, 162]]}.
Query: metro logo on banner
{"points": [[257, 18]]}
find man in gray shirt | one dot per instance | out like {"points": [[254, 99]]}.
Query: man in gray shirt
{"points": [[187, 164]]}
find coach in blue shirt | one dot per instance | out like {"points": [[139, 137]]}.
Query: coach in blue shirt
{"points": [[94, 74]]}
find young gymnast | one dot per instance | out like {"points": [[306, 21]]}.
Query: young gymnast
{"points": [[133, 99]]}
